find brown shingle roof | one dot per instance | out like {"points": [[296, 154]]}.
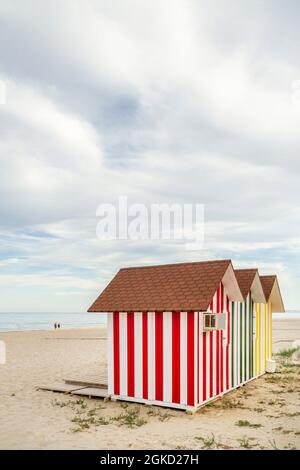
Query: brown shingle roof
{"points": [[267, 284], [245, 278], [182, 287]]}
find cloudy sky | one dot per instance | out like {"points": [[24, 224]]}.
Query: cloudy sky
{"points": [[174, 101]]}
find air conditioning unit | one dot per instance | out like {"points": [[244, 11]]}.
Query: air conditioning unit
{"points": [[214, 321]]}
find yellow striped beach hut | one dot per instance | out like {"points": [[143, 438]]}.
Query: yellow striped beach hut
{"points": [[263, 322]]}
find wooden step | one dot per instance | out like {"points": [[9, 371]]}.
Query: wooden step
{"points": [[91, 392], [81, 383], [60, 387]]}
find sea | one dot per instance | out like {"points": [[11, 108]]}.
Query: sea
{"points": [[26, 321]]}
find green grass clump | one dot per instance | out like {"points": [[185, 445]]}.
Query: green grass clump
{"points": [[287, 353], [245, 423], [130, 418], [84, 423], [245, 443], [274, 378], [209, 442], [259, 410], [273, 444]]}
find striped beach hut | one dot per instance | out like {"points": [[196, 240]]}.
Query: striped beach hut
{"points": [[263, 311], [179, 335], [246, 326]]}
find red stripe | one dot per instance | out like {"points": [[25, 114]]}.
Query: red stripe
{"points": [[218, 349], [190, 359], [145, 355], [228, 311], [116, 353], [159, 356], [221, 344], [130, 354], [176, 357], [221, 369], [211, 357], [204, 365], [222, 348], [222, 299], [198, 365]]}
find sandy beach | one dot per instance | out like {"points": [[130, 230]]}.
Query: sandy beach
{"points": [[264, 414]]}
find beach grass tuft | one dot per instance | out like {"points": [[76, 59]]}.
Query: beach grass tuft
{"points": [[245, 423], [287, 353], [209, 442], [245, 443], [131, 418], [273, 444]]}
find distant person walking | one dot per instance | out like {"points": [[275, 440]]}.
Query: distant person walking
{"points": [[58, 326], [55, 325]]}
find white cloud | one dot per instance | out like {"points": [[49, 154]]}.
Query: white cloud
{"points": [[161, 101]]}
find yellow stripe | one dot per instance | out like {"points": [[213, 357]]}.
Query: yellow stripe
{"points": [[254, 344], [258, 338], [265, 336], [270, 330]]}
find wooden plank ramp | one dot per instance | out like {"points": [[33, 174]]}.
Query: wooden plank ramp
{"points": [[60, 387], [91, 392], [80, 387], [83, 383]]}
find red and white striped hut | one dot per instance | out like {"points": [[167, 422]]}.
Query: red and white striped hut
{"points": [[169, 332]]}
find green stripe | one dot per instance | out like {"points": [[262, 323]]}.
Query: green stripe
{"points": [[245, 339], [232, 344], [241, 342]]}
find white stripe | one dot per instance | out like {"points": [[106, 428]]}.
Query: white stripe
{"points": [[110, 353], [267, 331], [237, 343], [243, 342], [207, 340], [214, 343], [183, 358], [138, 354], [207, 345], [262, 319], [230, 343], [151, 355], [232, 336], [123, 354], [238, 317], [223, 345], [214, 359], [196, 356], [167, 357]]}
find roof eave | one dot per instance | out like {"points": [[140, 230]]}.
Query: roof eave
{"points": [[231, 284], [276, 298], [257, 291]]}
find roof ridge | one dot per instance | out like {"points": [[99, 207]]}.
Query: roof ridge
{"points": [[185, 263], [246, 269]]}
